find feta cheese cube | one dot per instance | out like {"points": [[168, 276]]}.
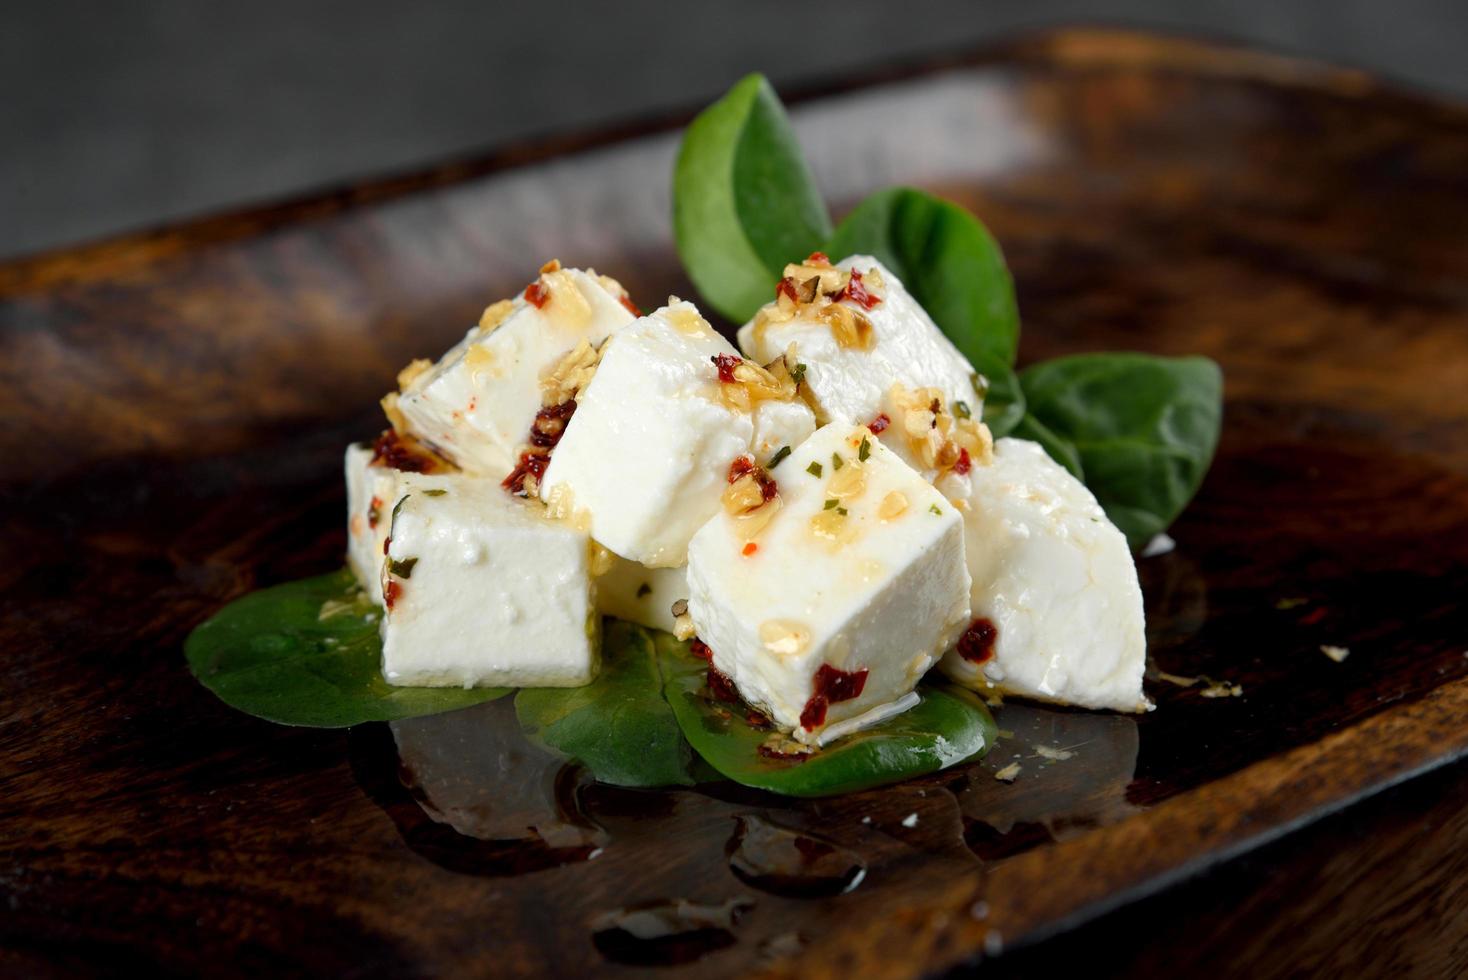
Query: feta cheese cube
{"points": [[646, 455], [851, 365], [1055, 582], [841, 598], [372, 488], [481, 590], [641, 595], [477, 403]]}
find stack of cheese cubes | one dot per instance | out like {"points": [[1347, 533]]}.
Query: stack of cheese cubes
{"points": [[826, 512]]}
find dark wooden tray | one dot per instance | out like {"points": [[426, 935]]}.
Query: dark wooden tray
{"points": [[174, 406]]}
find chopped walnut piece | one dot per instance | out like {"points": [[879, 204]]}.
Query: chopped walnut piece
{"points": [[572, 373], [830, 281], [494, 314], [893, 505], [851, 328], [935, 437], [393, 412], [415, 368]]}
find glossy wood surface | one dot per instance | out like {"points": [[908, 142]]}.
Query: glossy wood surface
{"points": [[175, 404]]}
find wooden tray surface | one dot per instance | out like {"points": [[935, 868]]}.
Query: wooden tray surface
{"points": [[175, 404]]}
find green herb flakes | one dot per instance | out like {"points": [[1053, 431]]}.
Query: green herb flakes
{"points": [[814, 469], [865, 450], [401, 568], [779, 457]]}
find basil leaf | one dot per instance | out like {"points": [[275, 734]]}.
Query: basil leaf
{"points": [[274, 655], [1058, 449], [618, 727], [946, 727], [744, 201], [948, 261], [1144, 427]]}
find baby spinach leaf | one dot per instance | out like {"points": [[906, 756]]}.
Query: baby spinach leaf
{"points": [[1144, 429], [946, 727], [618, 727], [308, 653], [948, 261], [1004, 402], [744, 201]]}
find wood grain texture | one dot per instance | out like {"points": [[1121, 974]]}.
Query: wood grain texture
{"points": [[175, 403]]}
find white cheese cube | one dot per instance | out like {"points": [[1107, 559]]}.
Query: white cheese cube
{"points": [[778, 424], [372, 488], [481, 590], [641, 595], [848, 377], [477, 403], [647, 453], [845, 597], [1057, 585]]}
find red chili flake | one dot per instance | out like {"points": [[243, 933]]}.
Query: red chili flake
{"points": [[720, 686], [700, 649], [756, 720], [726, 364], [818, 258], [386, 543], [391, 592], [976, 645], [744, 465], [879, 424], [857, 292], [537, 294], [786, 287], [531, 464], [473, 402], [374, 512], [1313, 616], [394, 451], [964, 464], [749, 549], [832, 685], [550, 424], [626, 301], [740, 466]]}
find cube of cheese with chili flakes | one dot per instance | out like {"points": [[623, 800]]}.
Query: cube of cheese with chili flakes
{"points": [[482, 590], [857, 332], [647, 453], [829, 600], [641, 595], [1057, 607], [373, 481], [478, 402]]}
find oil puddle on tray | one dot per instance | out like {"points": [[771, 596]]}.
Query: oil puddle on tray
{"points": [[671, 877]]}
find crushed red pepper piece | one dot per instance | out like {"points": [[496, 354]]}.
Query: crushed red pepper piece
{"points": [[818, 258], [700, 649], [832, 685], [976, 645], [550, 424], [537, 294], [749, 549], [726, 363], [964, 463], [395, 451], [632, 307], [530, 464], [391, 592], [374, 512], [721, 687], [786, 287], [857, 292], [879, 424]]}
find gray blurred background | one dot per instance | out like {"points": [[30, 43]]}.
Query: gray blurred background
{"points": [[121, 114]]}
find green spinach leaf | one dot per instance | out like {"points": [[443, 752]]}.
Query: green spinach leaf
{"points": [[947, 727], [1060, 450], [1144, 429], [308, 653], [948, 261], [744, 200], [618, 727]]}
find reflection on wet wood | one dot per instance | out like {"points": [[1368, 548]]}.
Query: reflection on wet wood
{"points": [[176, 406]]}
